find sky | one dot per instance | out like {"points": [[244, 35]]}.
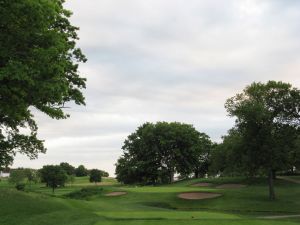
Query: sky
{"points": [[167, 60]]}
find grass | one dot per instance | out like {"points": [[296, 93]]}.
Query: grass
{"points": [[85, 193], [148, 205], [295, 177]]}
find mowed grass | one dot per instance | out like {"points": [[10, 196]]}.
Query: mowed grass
{"points": [[150, 205]]}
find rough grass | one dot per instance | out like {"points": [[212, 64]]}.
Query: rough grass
{"points": [[85, 193], [149, 205]]}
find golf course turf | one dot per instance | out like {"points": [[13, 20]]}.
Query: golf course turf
{"points": [[88, 204]]}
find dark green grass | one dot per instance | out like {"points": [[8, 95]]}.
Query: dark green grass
{"points": [[18, 208], [295, 177], [150, 205], [85, 193]]}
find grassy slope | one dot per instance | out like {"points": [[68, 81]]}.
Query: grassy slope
{"points": [[18, 208], [150, 205]]}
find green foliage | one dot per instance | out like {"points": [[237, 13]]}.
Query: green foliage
{"points": [[203, 156], [268, 122], [226, 158], [268, 119], [20, 187], [104, 173], [17, 176], [294, 157], [71, 179], [155, 152], [85, 193], [53, 175], [81, 171], [70, 170], [38, 69], [31, 175], [95, 175]]}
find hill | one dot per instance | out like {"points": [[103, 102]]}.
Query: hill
{"points": [[85, 204]]}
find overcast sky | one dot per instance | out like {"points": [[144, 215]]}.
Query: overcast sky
{"points": [[167, 60]]}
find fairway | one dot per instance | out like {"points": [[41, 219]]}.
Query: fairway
{"points": [[150, 204]]}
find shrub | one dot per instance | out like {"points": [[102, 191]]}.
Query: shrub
{"points": [[20, 187], [85, 193]]}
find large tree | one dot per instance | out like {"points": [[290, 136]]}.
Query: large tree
{"points": [[268, 120], [38, 71], [155, 152], [54, 176]]}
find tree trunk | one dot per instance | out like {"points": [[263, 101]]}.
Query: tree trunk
{"points": [[274, 174], [53, 189], [171, 177], [196, 174], [271, 185]]}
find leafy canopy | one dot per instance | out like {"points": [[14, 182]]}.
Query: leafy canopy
{"points": [[38, 71], [53, 175], [268, 119], [267, 128], [70, 170], [81, 171], [155, 152]]}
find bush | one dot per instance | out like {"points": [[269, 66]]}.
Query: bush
{"points": [[85, 193], [95, 175], [17, 176], [20, 187]]}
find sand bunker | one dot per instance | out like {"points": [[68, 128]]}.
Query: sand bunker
{"points": [[198, 195], [202, 185], [231, 186], [117, 193]]}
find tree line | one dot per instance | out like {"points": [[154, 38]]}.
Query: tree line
{"points": [[264, 140], [53, 175]]}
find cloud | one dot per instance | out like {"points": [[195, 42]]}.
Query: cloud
{"points": [[170, 60]]}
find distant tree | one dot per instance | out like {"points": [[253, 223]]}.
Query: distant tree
{"points": [[268, 121], [71, 179], [38, 70], [226, 158], [104, 173], [81, 171], [31, 175], [54, 176], [95, 176], [17, 177], [70, 170], [155, 152], [203, 155]]}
